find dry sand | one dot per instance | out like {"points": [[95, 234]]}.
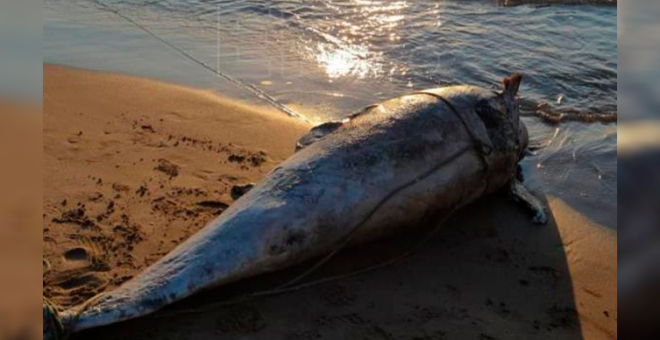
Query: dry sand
{"points": [[133, 167]]}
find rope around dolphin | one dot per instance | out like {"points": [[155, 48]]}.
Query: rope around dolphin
{"points": [[291, 289], [482, 149]]}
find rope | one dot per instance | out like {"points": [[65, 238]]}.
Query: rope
{"points": [[354, 230], [259, 93], [285, 290], [482, 149], [58, 330]]}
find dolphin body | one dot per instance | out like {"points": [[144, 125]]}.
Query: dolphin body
{"points": [[375, 174]]}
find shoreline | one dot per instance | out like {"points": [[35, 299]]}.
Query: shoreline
{"points": [[132, 167]]}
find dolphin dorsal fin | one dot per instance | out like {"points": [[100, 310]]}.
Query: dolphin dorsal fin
{"points": [[320, 131], [316, 133]]}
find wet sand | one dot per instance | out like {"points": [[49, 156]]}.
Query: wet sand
{"points": [[133, 167]]}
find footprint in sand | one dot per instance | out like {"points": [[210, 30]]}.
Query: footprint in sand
{"points": [[76, 254], [77, 274], [85, 254]]}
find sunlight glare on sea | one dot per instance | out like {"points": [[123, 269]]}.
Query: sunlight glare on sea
{"points": [[349, 52]]}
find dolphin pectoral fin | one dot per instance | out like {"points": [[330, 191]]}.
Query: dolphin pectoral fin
{"points": [[316, 133], [520, 194]]}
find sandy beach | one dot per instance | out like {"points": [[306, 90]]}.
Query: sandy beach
{"points": [[133, 167]]}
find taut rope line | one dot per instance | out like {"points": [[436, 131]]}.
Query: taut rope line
{"points": [[259, 93]]}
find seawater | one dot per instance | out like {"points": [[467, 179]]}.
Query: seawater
{"points": [[327, 59]]}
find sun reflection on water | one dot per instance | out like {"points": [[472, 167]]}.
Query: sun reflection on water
{"points": [[347, 49]]}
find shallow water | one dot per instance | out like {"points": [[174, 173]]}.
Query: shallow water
{"points": [[327, 59]]}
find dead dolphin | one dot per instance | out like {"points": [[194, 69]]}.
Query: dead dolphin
{"points": [[376, 173]]}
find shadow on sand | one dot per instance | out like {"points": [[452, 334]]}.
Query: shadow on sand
{"points": [[488, 274]]}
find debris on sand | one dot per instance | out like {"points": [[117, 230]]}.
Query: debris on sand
{"points": [[167, 168]]}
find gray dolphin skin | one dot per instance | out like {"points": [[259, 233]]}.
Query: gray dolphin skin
{"points": [[377, 173]]}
